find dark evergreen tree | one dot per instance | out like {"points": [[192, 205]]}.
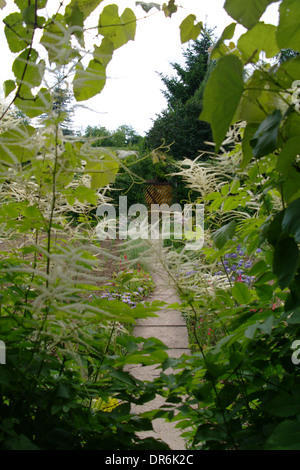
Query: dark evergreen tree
{"points": [[62, 104], [179, 124]]}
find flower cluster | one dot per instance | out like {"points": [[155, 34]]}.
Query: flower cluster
{"points": [[236, 265], [129, 286]]}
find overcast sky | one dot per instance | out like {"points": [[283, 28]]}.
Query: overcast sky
{"points": [[132, 94]]}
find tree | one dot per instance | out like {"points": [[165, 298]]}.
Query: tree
{"points": [[123, 137], [62, 99], [179, 124]]}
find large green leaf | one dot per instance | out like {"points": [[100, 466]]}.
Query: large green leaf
{"points": [[246, 147], [119, 29], [189, 30], [265, 139], [102, 167], [18, 37], [223, 234], [285, 436], [34, 106], [284, 405], [287, 156], [76, 13], [291, 219], [220, 48], [8, 87], [288, 31], [15, 144], [22, 4], [56, 40], [247, 12], [262, 37], [27, 70], [286, 261], [258, 100], [241, 293], [104, 52], [90, 81], [222, 95], [86, 7]]}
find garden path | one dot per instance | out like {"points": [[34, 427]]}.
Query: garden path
{"points": [[169, 327]]}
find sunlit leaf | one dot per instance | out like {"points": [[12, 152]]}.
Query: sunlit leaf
{"points": [[219, 107], [288, 32], [118, 29], [104, 52], [8, 87], [15, 144], [189, 30], [90, 81], [102, 168], [262, 37], [247, 12], [219, 49], [18, 37]]}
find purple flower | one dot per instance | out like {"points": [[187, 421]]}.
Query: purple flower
{"points": [[259, 250], [233, 267]]}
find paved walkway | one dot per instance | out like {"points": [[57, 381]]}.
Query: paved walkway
{"points": [[169, 327]]}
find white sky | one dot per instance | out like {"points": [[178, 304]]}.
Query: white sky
{"points": [[132, 94]]}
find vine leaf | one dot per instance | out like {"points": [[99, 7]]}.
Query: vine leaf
{"points": [[265, 138], [13, 144], [247, 12], [262, 37], [241, 293], [90, 81], [189, 30], [169, 8], [119, 29], [223, 234], [291, 219], [102, 167], [288, 31], [286, 260], [8, 87], [222, 95], [219, 49], [18, 37]]}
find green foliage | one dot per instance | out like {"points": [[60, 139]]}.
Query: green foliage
{"points": [[66, 345], [243, 387]]}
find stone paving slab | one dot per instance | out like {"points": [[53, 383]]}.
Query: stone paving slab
{"points": [[174, 337], [170, 328]]}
